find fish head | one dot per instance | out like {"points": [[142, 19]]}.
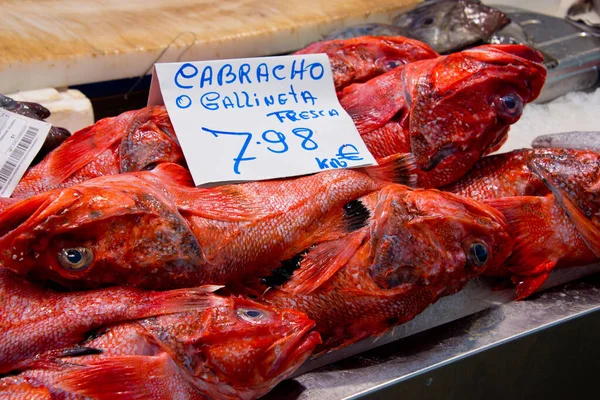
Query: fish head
{"points": [[239, 343], [574, 174], [427, 237], [255, 343], [149, 140], [110, 230], [448, 25], [462, 106]]}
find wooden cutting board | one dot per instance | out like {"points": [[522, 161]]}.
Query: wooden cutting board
{"points": [[48, 43]]}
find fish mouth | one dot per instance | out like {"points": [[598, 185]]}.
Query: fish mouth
{"points": [[295, 352], [439, 156]]}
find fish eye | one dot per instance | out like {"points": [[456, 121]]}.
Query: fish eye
{"points": [[428, 21], [150, 167], [509, 105], [251, 314], [75, 258], [478, 254], [392, 64]]}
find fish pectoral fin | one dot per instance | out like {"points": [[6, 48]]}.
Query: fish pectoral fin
{"points": [[527, 285], [225, 203], [397, 168], [527, 270], [117, 378], [78, 151], [586, 228], [531, 227], [322, 261]]}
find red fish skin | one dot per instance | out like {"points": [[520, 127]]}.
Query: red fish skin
{"points": [[234, 349], [415, 249], [448, 110], [128, 142], [149, 229], [497, 176], [18, 388], [520, 184], [362, 58], [34, 320]]}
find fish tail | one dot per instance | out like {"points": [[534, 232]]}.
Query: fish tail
{"points": [[397, 168]]}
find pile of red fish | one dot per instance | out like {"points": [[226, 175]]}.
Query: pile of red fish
{"points": [[121, 279]]}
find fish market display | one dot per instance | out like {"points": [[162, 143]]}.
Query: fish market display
{"points": [[110, 257], [445, 25], [357, 60], [34, 320], [36, 111], [447, 112], [154, 229], [570, 140], [227, 348], [415, 246], [551, 198]]}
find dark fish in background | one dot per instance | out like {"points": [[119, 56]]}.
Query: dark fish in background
{"points": [[570, 140], [36, 111], [511, 34], [445, 25]]}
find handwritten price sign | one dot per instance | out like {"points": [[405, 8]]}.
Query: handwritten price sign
{"points": [[259, 118]]}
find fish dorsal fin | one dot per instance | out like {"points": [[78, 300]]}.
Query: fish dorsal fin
{"points": [[81, 149], [397, 168]]}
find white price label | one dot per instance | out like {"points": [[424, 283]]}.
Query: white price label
{"points": [[21, 138], [258, 118]]}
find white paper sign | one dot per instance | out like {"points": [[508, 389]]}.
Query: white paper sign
{"points": [[258, 118], [21, 138]]}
